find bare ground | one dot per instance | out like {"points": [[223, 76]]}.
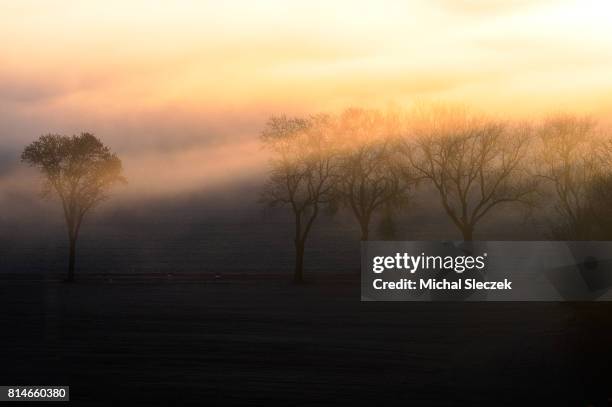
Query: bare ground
{"points": [[258, 341]]}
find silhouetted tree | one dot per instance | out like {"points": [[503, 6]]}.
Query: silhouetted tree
{"points": [[475, 164], [302, 173], [574, 159], [80, 170], [387, 229], [599, 194], [369, 178]]}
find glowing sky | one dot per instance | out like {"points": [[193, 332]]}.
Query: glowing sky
{"points": [[167, 73], [117, 56]]}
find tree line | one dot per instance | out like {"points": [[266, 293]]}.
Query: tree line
{"points": [[375, 163], [369, 161]]}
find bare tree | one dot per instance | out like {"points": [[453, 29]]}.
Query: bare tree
{"points": [[302, 173], [475, 164], [573, 159], [599, 195], [80, 170], [369, 179]]}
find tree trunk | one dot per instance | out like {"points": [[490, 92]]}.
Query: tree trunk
{"points": [[365, 227], [467, 232], [298, 274], [71, 260], [364, 232]]}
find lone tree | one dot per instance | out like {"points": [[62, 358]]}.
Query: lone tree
{"points": [[369, 179], [475, 164], [80, 170], [575, 162], [302, 173]]}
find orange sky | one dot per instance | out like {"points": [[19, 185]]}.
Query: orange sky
{"points": [[165, 75], [118, 56]]}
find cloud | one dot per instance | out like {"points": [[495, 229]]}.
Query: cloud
{"points": [[27, 90], [484, 7], [32, 86], [198, 168]]}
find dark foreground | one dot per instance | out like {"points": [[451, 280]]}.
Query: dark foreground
{"points": [[261, 342]]}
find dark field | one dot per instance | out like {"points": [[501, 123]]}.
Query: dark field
{"points": [[256, 341], [149, 323]]}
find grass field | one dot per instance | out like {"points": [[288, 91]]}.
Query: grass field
{"points": [[253, 341]]}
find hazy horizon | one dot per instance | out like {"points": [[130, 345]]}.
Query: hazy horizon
{"points": [[181, 90]]}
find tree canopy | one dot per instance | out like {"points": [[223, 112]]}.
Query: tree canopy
{"points": [[80, 169]]}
